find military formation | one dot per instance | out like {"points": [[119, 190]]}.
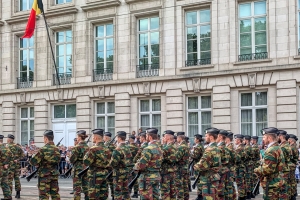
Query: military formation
{"points": [[160, 168]]}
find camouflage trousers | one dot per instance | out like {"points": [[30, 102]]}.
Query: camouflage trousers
{"points": [[286, 192], [135, 186], [168, 187], [222, 186], [240, 181], [248, 176], [149, 189], [199, 186], [230, 193], [183, 179], [293, 182], [97, 187], [48, 186], [111, 186], [14, 175], [4, 184], [210, 190], [80, 184], [121, 190]]}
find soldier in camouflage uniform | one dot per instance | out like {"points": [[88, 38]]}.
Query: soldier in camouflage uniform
{"points": [[111, 146], [209, 166], [144, 144], [47, 159], [78, 152], [15, 168], [97, 158], [134, 150], [240, 166], [196, 155], [248, 165], [273, 163], [168, 190], [256, 161], [293, 164], [183, 175], [149, 166], [120, 162], [230, 188], [5, 160], [287, 152]]}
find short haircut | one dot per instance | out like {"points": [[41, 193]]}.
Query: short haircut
{"points": [[123, 138], [153, 136], [214, 135], [273, 136], [50, 137], [223, 137], [181, 136], [82, 137], [143, 136]]}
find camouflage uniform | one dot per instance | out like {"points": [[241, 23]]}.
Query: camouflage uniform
{"points": [[240, 170], [120, 162], [110, 183], [196, 155], [15, 168], [5, 159], [183, 175], [224, 170], [149, 166], [293, 165], [76, 159], [269, 172], [47, 159], [97, 158], [133, 149], [168, 188], [138, 155], [230, 188], [249, 167], [209, 166], [256, 163], [287, 151]]}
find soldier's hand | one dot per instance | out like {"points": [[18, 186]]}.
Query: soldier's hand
{"points": [[15, 161], [5, 166]]}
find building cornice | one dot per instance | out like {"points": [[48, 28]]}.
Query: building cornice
{"points": [[59, 11], [19, 18], [100, 4], [1, 23], [133, 1]]}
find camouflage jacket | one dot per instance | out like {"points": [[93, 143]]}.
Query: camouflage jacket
{"points": [[210, 163], [121, 159], [169, 159], [294, 156], [78, 153], [287, 152], [273, 164], [240, 156], [97, 158], [133, 149], [150, 162], [5, 158], [138, 155], [183, 154], [225, 157], [110, 145], [256, 155], [47, 159], [197, 152], [249, 155], [231, 153], [17, 154]]}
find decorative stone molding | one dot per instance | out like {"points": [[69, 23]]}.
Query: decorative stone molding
{"points": [[59, 11], [133, 1], [92, 5], [196, 84], [1, 23], [19, 18], [146, 88], [101, 91], [252, 80], [23, 98], [60, 95]]}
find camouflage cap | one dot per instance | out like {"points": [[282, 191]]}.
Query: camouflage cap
{"points": [[11, 136], [48, 133], [108, 134]]}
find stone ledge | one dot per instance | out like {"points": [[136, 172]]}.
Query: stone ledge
{"points": [[133, 1], [297, 57], [101, 4], [19, 18], [60, 10], [196, 67], [252, 62], [2, 23]]}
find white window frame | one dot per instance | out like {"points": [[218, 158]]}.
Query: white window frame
{"points": [[105, 115], [65, 43], [150, 112], [59, 119], [252, 18], [65, 1], [29, 5], [253, 108], [27, 49], [105, 41], [28, 119]]}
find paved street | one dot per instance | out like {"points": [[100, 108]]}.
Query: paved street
{"points": [[30, 191]]}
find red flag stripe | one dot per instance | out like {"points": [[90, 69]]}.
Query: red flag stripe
{"points": [[30, 25]]}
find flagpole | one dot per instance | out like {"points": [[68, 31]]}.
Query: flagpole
{"points": [[51, 47]]}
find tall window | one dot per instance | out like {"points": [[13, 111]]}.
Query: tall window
{"points": [[26, 58], [150, 114], [253, 31], [64, 111], [62, 1], [104, 47], [25, 5], [198, 37], [254, 112], [298, 27], [148, 31], [199, 114], [105, 116], [27, 125], [64, 51]]}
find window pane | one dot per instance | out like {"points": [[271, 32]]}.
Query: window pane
{"points": [[259, 127], [143, 24], [60, 37], [69, 36], [156, 120], [246, 116], [110, 107], [205, 31], [260, 24], [206, 117], [193, 103], [246, 51], [192, 46], [155, 50], [109, 29], [24, 126], [145, 121], [154, 23], [24, 112], [100, 31], [191, 18], [31, 112], [261, 115], [156, 105], [206, 102], [145, 106], [192, 118], [111, 121], [245, 26], [193, 130], [101, 122], [246, 99], [204, 16], [110, 44], [71, 111], [192, 33], [32, 125], [192, 56], [261, 49], [154, 38], [100, 108], [31, 134], [205, 55], [24, 138], [246, 129], [205, 44], [204, 127], [245, 40], [245, 10], [260, 38], [143, 39], [261, 98], [59, 111], [260, 8]]}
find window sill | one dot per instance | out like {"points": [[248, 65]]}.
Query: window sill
{"points": [[297, 57], [61, 9], [101, 4], [197, 67], [252, 62], [19, 17]]}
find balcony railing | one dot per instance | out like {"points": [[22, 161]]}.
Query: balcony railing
{"points": [[102, 74], [206, 61], [253, 56], [64, 79], [147, 70], [24, 82]]}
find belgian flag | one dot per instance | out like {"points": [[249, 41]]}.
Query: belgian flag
{"points": [[37, 8]]}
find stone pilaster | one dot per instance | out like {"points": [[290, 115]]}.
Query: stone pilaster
{"points": [[40, 120], [83, 113], [174, 109], [8, 114], [122, 112]]}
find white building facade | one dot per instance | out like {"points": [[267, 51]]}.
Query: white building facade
{"points": [[183, 65]]}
